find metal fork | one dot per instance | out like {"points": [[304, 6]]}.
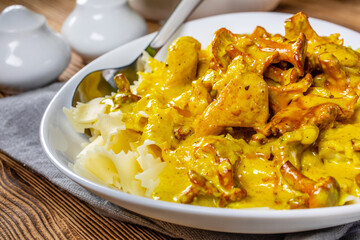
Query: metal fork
{"points": [[101, 82]]}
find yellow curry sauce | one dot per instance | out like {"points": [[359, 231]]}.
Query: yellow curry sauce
{"points": [[254, 120]]}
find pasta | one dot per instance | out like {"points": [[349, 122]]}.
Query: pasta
{"points": [[253, 120]]}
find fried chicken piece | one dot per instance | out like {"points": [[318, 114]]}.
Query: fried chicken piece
{"points": [[242, 103], [199, 98], [244, 62], [182, 61]]}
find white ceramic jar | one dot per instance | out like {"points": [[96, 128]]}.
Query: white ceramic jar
{"points": [[31, 54], [98, 26]]}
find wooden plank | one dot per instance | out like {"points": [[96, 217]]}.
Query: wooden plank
{"points": [[33, 208]]}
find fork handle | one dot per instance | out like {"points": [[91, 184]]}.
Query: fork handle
{"points": [[177, 17]]}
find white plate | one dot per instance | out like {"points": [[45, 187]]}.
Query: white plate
{"points": [[62, 143]]}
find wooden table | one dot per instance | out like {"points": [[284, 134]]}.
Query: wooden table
{"points": [[33, 208]]}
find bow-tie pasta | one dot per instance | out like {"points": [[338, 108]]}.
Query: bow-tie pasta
{"points": [[252, 120]]}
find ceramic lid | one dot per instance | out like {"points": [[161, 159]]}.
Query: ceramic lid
{"points": [[17, 18]]}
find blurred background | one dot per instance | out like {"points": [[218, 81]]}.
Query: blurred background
{"points": [[155, 12]]}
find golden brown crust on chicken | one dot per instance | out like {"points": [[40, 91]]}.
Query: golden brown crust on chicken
{"points": [[242, 103]]}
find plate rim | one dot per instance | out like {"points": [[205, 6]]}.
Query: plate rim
{"points": [[176, 207]]}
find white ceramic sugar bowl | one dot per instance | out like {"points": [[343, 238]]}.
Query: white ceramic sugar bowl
{"points": [[98, 26], [31, 54]]}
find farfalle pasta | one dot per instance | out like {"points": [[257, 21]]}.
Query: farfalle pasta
{"points": [[253, 120]]}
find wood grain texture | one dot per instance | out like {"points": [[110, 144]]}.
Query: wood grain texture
{"points": [[33, 208]]}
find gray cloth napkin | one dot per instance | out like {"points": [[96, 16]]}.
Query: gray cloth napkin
{"points": [[20, 118]]}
